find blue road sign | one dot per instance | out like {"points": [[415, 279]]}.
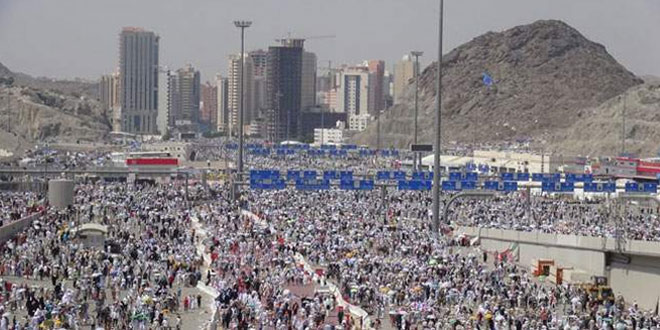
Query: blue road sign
{"points": [[506, 176], [484, 168], [259, 151], [330, 175], [309, 174], [634, 187], [338, 153], [422, 175], [346, 175], [471, 167], [264, 174], [450, 185], [312, 184], [541, 177], [553, 186], [504, 186], [268, 184], [316, 152], [399, 175], [651, 188], [390, 153], [463, 176], [603, 187], [356, 184], [417, 185], [572, 177], [383, 175], [293, 174], [521, 177]]}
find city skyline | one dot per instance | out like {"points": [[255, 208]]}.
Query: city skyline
{"points": [[392, 29]]}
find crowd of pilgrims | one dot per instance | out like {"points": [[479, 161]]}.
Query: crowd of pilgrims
{"points": [[560, 216], [15, 205], [51, 280], [377, 249], [388, 263]]}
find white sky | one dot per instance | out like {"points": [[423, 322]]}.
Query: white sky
{"points": [[79, 38]]}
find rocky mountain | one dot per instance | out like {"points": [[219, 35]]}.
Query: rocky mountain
{"points": [[599, 130], [76, 87], [544, 74], [34, 110]]}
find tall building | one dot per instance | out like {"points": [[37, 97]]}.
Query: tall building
{"points": [[188, 90], [234, 92], [166, 85], [209, 105], [284, 80], [404, 70], [328, 100], [138, 71], [259, 71], [353, 92], [308, 83], [222, 84], [353, 96], [109, 98], [376, 85], [259, 62], [388, 90]]}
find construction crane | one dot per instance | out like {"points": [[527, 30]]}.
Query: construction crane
{"points": [[288, 37]]}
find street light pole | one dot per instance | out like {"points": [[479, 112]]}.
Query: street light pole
{"points": [[416, 54], [378, 132], [623, 127], [242, 25], [438, 121]]}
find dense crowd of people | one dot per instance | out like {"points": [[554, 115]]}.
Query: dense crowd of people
{"points": [[560, 216], [375, 247], [53, 279], [389, 264], [15, 205]]}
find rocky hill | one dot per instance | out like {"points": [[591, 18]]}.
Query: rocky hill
{"points": [[543, 75], [70, 87], [598, 130], [37, 110]]}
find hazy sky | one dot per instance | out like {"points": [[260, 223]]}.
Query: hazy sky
{"points": [[79, 38]]}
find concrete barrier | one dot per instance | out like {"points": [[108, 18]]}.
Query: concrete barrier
{"points": [[60, 193], [34, 186], [10, 230], [635, 274]]}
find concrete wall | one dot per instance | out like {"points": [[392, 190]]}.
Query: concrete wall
{"points": [[566, 248], [60, 193], [35, 186], [9, 230], [638, 280]]}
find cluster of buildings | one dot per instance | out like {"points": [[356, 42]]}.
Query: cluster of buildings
{"points": [[285, 98]]}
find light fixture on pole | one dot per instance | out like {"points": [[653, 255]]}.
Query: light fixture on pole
{"points": [[438, 121], [416, 54], [242, 25]]}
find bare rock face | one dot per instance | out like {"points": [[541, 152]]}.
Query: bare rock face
{"points": [[34, 110], [599, 130], [35, 116], [543, 75]]}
